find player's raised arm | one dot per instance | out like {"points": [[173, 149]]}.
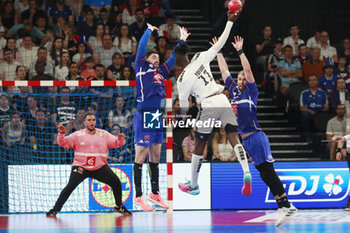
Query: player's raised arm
{"points": [[238, 45], [65, 141], [170, 63], [222, 62], [211, 53], [142, 49]]}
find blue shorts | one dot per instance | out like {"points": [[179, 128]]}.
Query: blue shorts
{"points": [[145, 137], [258, 148]]}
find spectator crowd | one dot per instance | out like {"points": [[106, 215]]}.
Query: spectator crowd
{"points": [[313, 69], [97, 40]]}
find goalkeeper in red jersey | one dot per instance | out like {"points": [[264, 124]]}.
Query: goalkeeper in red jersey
{"points": [[91, 147]]}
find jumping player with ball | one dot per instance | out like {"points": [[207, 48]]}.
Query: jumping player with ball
{"points": [[197, 80]]}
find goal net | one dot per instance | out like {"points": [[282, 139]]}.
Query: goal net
{"points": [[35, 169]]}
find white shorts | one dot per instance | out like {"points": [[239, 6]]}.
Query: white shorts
{"points": [[215, 108]]}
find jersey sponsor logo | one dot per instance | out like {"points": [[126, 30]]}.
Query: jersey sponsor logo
{"points": [[234, 108], [141, 141], [158, 78], [147, 137], [101, 134], [90, 160], [80, 170], [103, 193], [81, 133]]}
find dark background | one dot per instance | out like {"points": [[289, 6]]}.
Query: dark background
{"points": [[330, 15]]}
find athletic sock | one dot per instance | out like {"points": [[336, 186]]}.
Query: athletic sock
{"points": [[137, 179], [279, 203], [285, 202], [153, 170], [195, 168], [242, 157]]}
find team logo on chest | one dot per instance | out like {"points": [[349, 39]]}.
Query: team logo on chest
{"points": [[158, 78], [234, 108]]}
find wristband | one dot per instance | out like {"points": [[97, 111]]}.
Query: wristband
{"points": [[240, 52], [338, 150]]}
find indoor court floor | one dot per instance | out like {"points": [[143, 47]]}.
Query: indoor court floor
{"points": [[313, 221]]}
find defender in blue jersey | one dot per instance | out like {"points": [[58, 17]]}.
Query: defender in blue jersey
{"points": [[244, 95], [150, 92]]}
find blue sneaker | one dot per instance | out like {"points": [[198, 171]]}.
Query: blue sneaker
{"points": [[187, 188]]}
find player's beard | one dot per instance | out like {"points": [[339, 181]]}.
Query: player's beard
{"points": [[91, 128]]}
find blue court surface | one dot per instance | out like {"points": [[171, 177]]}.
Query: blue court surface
{"points": [[333, 220]]}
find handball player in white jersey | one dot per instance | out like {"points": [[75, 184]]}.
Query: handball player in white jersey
{"points": [[197, 80]]}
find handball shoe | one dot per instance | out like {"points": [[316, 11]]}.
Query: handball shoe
{"points": [[284, 214], [157, 199], [143, 204], [347, 208], [121, 209], [51, 213], [247, 184], [187, 188]]}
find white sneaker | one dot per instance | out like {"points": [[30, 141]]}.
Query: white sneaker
{"points": [[284, 214]]}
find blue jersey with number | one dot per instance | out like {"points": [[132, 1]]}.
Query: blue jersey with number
{"points": [[244, 105], [149, 79]]}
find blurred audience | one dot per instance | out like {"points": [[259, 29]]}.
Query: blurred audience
{"points": [[314, 65], [312, 100], [336, 127], [222, 149], [264, 47], [327, 51], [340, 95], [340, 69], [188, 146], [289, 70], [328, 80], [293, 40], [170, 29]]}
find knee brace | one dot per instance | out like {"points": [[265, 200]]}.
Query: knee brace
{"points": [[271, 179], [231, 128]]}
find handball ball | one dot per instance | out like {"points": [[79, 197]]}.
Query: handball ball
{"points": [[234, 6]]}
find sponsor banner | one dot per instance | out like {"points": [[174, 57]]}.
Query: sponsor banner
{"points": [[185, 201], [101, 195], [307, 184]]}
